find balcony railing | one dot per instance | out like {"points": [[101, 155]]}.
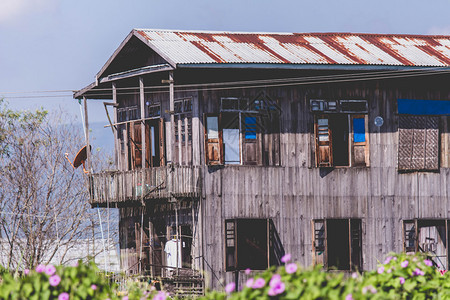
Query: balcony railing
{"points": [[119, 187]]}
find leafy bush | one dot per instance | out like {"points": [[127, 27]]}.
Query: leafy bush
{"points": [[81, 281], [401, 276]]}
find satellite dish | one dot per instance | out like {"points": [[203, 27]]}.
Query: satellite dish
{"points": [[80, 158]]}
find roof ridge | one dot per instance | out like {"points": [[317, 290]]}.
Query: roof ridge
{"points": [[428, 36]]}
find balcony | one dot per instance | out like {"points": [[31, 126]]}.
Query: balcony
{"points": [[121, 188]]}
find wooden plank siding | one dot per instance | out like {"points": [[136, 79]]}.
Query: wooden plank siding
{"points": [[296, 192]]}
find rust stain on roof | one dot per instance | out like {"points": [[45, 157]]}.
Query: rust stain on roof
{"points": [[194, 47]]}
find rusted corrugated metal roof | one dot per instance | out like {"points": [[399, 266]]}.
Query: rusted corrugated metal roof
{"points": [[198, 47]]}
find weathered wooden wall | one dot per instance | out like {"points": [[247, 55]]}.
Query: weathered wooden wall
{"points": [[297, 192]]}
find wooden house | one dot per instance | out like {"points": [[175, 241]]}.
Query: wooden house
{"points": [[240, 147]]}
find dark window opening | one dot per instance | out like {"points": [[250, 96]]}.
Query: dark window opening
{"points": [[154, 141], [341, 140], [337, 243], [251, 243], [339, 124], [429, 237]]}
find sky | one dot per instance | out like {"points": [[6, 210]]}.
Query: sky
{"points": [[54, 45]]}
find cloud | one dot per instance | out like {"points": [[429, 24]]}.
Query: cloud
{"points": [[11, 10]]}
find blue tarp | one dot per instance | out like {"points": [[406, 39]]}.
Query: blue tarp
{"points": [[423, 107], [359, 130]]}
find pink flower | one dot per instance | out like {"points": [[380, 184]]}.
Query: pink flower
{"points": [[40, 268], [402, 280], [276, 289], [286, 258], [389, 270], [388, 260], [380, 270], [259, 283], [418, 272], [354, 275], [161, 296], [26, 271], [248, 271], [94, 287], [291, 268], [442, 272], [229, 288], [275, 280], [250, 282], [54, 280], [349, 297], [428, 262], [50, 270], [63, 296], [125, 298], [404, 263]]}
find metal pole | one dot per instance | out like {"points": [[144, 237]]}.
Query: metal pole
{"points": [[103, 240], [86, 130]]}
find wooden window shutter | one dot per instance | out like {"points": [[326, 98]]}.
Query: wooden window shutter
{"points": [[319, 242], [137, 142], [162, 143], [410, 242], [148, 162], [213, 139], [251, 139], [359, 140], [418, 146], [324, 151], [355, 245], [276, 250], [230, 245]]}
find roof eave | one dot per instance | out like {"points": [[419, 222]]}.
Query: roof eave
{"points": [[303, 66]]}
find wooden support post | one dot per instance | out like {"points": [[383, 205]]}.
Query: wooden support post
{"points": [[116, 141], [143, 144], [169, 125], [86, 130], [178, 244]]}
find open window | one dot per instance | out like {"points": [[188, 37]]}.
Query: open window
{"points": [[337, 243], [248, 132], [341, 133], [183, 130], [251, 243], [429, 236], [154, 140], [129, 133]]}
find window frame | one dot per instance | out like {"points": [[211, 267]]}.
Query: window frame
{"points": [[324, 150], [232, 251], [411, 243], [252, 150], [355, 259]]}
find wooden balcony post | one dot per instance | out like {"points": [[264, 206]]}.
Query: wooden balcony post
{"points": [[169, 125], [143, 145]]}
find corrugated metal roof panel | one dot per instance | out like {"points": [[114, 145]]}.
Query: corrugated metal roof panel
{"points": [[198, 47]]}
